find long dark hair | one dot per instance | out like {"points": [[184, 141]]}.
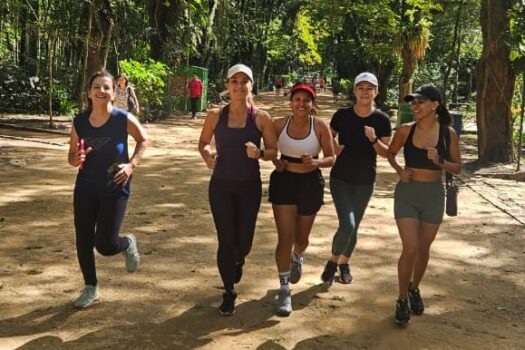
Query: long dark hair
{"points": [[101, 73], [443, 114]]}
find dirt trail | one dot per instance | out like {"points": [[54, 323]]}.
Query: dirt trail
{"points": [[474, 288]]}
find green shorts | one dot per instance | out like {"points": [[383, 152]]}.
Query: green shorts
{"points": [[424, 201]]}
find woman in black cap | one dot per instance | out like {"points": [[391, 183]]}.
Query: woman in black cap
{"points": [[297, 185], [419, 194]]}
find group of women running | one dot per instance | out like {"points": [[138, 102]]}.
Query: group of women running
{"points": [[298, 145]]}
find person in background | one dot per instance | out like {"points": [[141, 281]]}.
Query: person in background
{"points": [[195, 87], [430, 147], [235, 186], [125, 97], [336, 88], [279, 84], [363, 132], [297, 185], [322, 83], [99, 147]]}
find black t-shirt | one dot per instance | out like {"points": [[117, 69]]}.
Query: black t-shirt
{"points": [[356, 165]]}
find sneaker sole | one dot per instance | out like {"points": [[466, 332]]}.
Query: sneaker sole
{"points": [[345, 282], [85, 306], [226, 313], [283, 313]]}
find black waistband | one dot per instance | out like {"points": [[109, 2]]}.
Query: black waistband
{"points": [[293, 159]]}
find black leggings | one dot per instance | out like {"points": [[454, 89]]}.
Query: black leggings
{"points": [[234, 205], [97, 224]]}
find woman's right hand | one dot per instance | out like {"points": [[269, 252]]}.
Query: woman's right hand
{"points": [[405, 174], [280, 165], [80, 155], [211, 160]]}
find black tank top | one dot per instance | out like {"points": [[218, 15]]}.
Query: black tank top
{"points": [[110, 147], [232, 161], [417, 157]]}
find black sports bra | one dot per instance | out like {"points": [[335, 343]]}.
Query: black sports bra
{"points": [[417, 157]]}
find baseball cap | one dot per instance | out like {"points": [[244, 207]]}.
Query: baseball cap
{"points": [[240, 68], [305, 87], [426, 91], [368, 77]]}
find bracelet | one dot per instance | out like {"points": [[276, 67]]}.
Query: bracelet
{"points": [[375, 141], [261, 153]]}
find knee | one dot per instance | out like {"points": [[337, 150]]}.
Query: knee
{"points": [[302, 242], [409, 252], [107, 248]]}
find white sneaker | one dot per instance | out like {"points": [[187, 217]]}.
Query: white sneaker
{"points": [[87, 297], [284, 304], [132, 253]]}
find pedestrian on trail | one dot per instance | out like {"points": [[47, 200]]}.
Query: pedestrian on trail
{"points": [[125, 97], [195, 87], [279, 85], [98, 146], [430, 146], [297, 185], [336, 88], [362, 132], [235, 185]]}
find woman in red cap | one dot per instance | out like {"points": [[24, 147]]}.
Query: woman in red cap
{"points": [[297, 185], [430, 146]]}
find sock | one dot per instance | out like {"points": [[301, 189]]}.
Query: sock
{"points": [[284, 279], [297, 257]]}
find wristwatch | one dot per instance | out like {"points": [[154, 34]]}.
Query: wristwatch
{"points": [[441, 161], [261, 153]]}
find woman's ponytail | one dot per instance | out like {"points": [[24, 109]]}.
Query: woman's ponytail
{"points": [[444, 117]]}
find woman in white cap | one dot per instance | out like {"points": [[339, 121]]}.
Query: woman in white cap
{"points": [[297, 185], [363, 132], [235, 186], [430, 146]]}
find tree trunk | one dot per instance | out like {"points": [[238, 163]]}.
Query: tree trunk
{"points": [[51, 47], [163, 17], [407, 75], [89, 8], [495, 86]]}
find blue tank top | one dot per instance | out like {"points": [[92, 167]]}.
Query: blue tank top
{"points": [[417, 157], [110, 147], [232, 161]]}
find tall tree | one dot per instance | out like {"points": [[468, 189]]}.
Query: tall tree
{"points": [[495, 78]]}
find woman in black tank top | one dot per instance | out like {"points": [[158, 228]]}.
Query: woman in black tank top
{"points": [[419, 194], [235, 186], [98, 147]]}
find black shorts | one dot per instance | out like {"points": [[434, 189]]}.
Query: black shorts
{"points": [[306, 191]]}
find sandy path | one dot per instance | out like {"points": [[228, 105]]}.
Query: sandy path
{"points": [[474, 287]]}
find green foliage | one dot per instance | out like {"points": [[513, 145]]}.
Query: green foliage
{"points": [[149, 80]]}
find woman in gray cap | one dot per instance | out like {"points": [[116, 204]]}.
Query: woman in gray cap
{"points": [[430, 146], [235, 185]]}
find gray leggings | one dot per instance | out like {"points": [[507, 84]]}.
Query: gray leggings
{"points": [[350, 203]]}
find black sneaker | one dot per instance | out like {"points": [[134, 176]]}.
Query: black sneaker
{"points": [[328, 274], [345, 276], [227, 307], [402, 312], [238, 272], [416, 303]]}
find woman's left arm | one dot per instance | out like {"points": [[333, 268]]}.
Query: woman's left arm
{"points": [[265, 125], [137, 131], [132, 90], [327, 144]]}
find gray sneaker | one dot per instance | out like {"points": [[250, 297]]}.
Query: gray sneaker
{"points": [[87, 297], [132, 253], [297, 270], [284, 304]]}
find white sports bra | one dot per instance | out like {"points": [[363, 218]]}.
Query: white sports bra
{"points": [[294, 148]]}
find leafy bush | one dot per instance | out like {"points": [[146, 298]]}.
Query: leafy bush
{"points": [[149, 80]]}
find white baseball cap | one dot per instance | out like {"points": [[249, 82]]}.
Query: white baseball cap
{"points": [[240, 68], [366, 76]]}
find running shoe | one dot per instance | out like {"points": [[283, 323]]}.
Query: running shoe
{"points": [[297, 269], [345, 276], [227, 307], [328, 274], [284, 303], [402, 316], [87, 297], [132, 253], [416, 303]]}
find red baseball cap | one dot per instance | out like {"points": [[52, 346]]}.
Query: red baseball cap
{"points": [[305, 87]]}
